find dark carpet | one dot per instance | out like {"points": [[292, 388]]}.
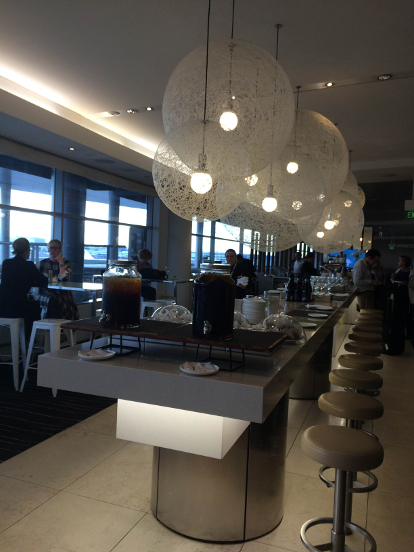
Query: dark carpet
{"points": [[33, 416]]}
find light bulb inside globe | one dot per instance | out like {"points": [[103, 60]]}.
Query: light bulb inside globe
{"points": [[252, 180], [269, 204], [292, 167], [228, 120], [201, 182], [348, 203], [321, 197], [297, 205], [320, 234], [329, 224]]}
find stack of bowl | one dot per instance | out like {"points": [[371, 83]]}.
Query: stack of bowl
{"points": [[254, 309]]}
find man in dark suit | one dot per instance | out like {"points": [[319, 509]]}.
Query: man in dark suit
{"points": [[18, 275]]}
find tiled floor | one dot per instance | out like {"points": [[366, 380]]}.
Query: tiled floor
{"points": [[83, 490]]}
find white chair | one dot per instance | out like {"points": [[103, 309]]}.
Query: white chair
{"points": [[52, 341], [16, 326], [153, 305]]}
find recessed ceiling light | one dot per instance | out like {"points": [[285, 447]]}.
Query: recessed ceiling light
{"points": [[113, 113], [132, 111], [386, 76], [150, 108], [329, 84], [72, 149]]}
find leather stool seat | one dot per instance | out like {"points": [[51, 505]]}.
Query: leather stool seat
{"points": [[369, 322], [360, 362], [364, 348], [366, 328], [369, 317], [350, 406], [369, 337], [372, 311], [355, 379], [342, 448]]}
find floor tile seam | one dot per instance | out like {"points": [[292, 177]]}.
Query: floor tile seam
{"points": [[127, 533], [392, 494], [273, 545], [31, 512], [306, 415], [97, 432], [104, 501], [30, 482], [95, 466]]}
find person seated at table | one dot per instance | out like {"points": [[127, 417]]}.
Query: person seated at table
{"points": [[308, 265], [57, 303], [147, 271], [18, 275], [238, 273]]}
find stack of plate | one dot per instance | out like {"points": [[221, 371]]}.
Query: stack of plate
{"points": [[254, 309], [238, 305]]}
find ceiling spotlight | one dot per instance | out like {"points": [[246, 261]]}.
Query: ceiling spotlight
{"points": [[384, 77], [150, 108], [132, 111], [72, 149], [113, 113], [329, 84]]}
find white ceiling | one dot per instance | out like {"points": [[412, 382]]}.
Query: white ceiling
{"points": [[92, 56]]}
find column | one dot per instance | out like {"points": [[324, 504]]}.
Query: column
{"points": [[73, 229], [5, 188], [114, 201]]}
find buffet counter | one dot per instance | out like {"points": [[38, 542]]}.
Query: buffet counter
{"points": [[219, 441]]}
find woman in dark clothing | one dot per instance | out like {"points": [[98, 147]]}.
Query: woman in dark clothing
{"points": [[401, 279], [18, 275]]}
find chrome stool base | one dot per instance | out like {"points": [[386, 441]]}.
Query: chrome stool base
{"points": [[337, 543], [357, 487]]}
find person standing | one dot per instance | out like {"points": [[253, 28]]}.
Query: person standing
{"points": [[307, 266], [237, 273], [18, 275], [363, 280], [403, 279], [297, 263]]}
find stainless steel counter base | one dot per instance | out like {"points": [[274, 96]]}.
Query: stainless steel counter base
{"points": [[237, 498]]}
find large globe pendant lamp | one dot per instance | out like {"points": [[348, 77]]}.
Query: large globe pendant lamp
{"points": [[317, 138], [185, 191], [267, 231], [246, 86], [361, 197], [345, 219]]}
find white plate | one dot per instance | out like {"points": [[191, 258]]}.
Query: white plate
{"points": [[317, 315], [96, 354], [199, 368], [321, 307], [308, 324]]}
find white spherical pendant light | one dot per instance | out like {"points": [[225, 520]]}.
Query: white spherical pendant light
{"points": [[317, 138], [194, 194], [264, 231], [248, 96], [346, 222], [361, 197], [350, 185]]}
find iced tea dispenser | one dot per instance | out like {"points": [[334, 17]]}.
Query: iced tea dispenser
{"points": [[121, 295]]}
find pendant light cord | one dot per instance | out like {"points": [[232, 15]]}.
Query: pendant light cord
{"points": [[297, 97], [232, 21], [208, 40], [350, 157], [277, 39]]}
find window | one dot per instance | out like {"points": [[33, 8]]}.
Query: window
{"points": [[95, 222], [210, 241]]}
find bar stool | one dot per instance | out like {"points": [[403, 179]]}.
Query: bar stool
{"points": [[372, 311], [369, 337], [359, 380], [369, 322], [354, 409], [370, 318], [52, 342], [346, 450], [360, 362], [366, 328], [363, 348], [16, 327]]}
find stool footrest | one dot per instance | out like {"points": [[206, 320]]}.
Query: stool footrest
{"points": [[328, 546], [358, 487]]}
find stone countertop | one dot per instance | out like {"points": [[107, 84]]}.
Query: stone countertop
{"points": [[153, 377]]}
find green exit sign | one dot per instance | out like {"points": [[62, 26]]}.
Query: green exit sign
{"points": [[391, 246], [409, 215]]}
